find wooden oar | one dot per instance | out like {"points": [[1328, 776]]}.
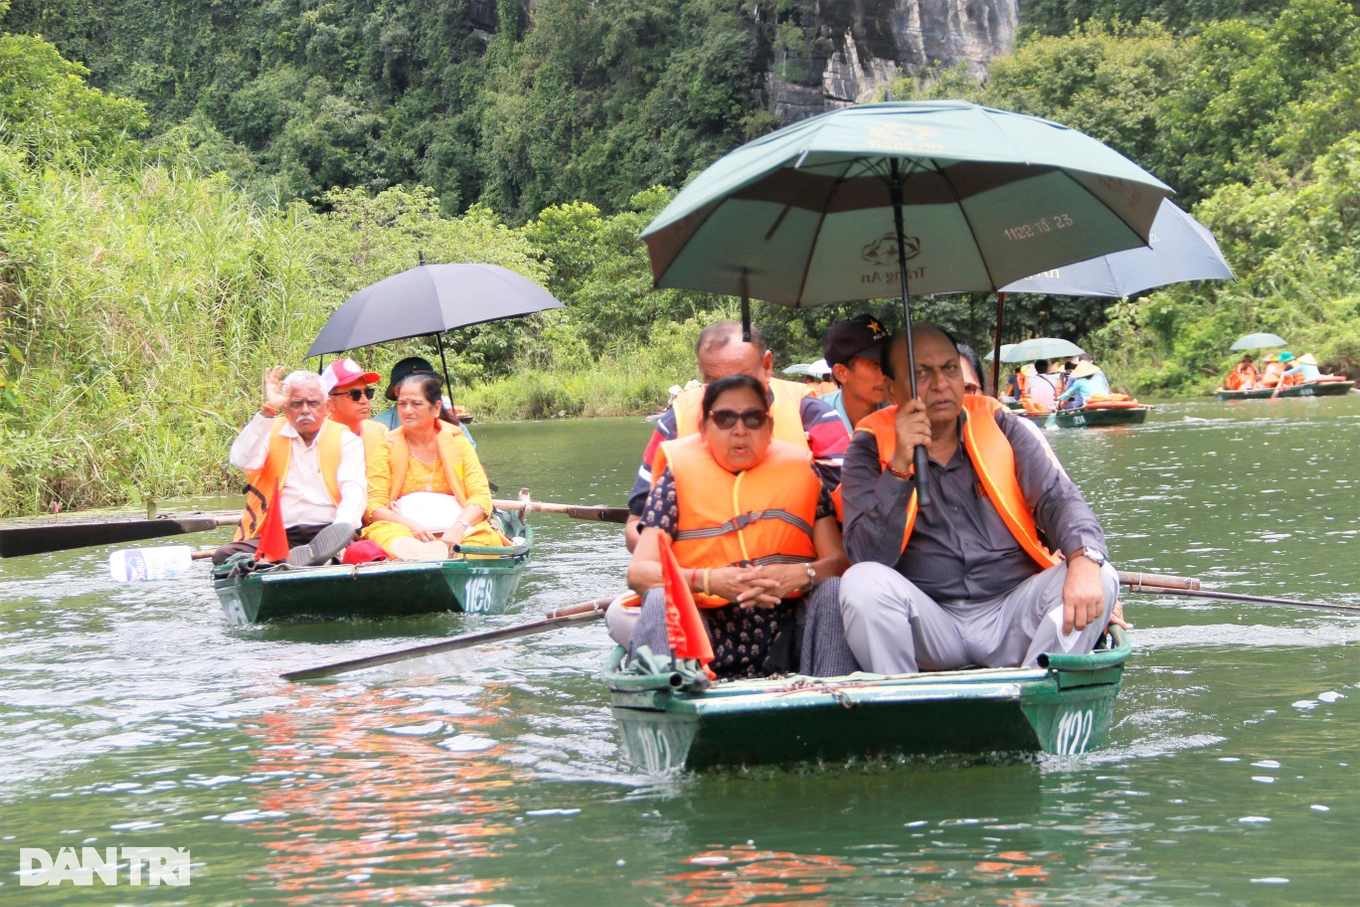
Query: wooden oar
{"points": [[1137, 582], [575, 614], [59, 534], [580, 512], [1234, 597]]}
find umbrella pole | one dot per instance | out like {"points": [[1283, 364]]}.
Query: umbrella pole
{"points": [[745, 309], [439, 342], [922, 458], [996, 345]]}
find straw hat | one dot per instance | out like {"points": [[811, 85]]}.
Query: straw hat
{"points": [[1308, 359], [1084, 370]]}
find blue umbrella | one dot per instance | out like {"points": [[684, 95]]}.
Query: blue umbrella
{"points": [[1179, 248]]}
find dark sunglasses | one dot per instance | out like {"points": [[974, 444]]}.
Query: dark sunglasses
{"points": [[751, 418], [356, 395]]}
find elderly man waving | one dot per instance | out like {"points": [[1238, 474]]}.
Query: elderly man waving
{"points": [[970, 579], [317, 465]]}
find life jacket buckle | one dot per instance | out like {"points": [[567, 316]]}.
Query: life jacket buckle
{"points": [[742, 520]]}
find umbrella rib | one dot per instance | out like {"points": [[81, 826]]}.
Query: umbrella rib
{"points": [[967, 220]]}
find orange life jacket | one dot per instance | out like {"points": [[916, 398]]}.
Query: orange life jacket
{"points": [[763, 515], [372, 433], [993, 460], [399, 460], [1271, 376], [787, 411], [260, 482], [1243, 373]]}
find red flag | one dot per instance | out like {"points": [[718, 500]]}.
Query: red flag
{"points": [[273, 538], [684, 628]]}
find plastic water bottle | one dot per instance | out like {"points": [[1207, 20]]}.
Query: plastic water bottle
{"points": [[137, 565]]}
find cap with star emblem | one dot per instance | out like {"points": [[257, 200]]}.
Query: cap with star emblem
{"points": [[860, 337]]}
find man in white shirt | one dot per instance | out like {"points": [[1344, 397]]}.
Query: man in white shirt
{"points": [[318, 466], [1043, 387]]}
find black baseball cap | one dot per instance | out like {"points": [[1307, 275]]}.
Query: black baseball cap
{"points": [[860, 337], [411, 365]]}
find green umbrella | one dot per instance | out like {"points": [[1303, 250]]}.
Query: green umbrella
{"points": [[1005, 348], [832, 209], [1258, 342], [799, 368], [1041, 348]]}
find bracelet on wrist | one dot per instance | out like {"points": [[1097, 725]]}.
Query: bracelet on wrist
{"points": [[901, 475], [269, 412]]}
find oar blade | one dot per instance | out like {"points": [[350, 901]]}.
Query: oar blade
{"points": [[25, 540]]}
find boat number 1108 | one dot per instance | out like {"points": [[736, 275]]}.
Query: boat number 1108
{"points": [[1042, 225]]}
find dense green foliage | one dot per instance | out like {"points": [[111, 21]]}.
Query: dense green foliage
{"points": [[169, 234]]}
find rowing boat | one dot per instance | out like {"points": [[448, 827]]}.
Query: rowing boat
{"points": [[1090, 417], [1064, 706], [1308, 389], [483, 583]]}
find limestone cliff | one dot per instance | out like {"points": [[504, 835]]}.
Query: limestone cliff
{"points": [[838, 51]]}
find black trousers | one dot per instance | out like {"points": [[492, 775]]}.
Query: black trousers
{"points": [[297, 535]]}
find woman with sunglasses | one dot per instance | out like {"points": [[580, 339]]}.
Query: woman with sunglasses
{"points": [[427, 491], [755, 534]]}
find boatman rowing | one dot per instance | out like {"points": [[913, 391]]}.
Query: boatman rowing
{"points": [[971, 579], [318, 466]]}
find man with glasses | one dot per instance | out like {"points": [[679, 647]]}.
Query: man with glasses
{"points": [[315, 465], [1005, 564], [349, 400], [853, 348]]}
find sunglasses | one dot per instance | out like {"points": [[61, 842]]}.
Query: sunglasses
{"points": [[751, 418], [356, 395], [972, 389]]}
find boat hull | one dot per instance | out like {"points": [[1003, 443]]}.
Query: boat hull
{"points": [[1066, 708], [1311, 389], [1090, 418], [375, 591]]}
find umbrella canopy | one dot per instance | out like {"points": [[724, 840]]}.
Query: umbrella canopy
{"points": [[1179, 248], [1041, 348], [1258, 342], [799, 368], [820, 369], [430, 299], [1005, 348], [806, 215]]}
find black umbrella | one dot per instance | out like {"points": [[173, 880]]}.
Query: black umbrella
{"points": [[430, 299]]}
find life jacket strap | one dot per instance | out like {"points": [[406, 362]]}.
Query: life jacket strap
{"points": [[741, 521]]}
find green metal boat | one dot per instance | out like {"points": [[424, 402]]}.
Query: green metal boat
{"points": [[474, 585], [1102, 417], [1065, 706], [1310, 389]]}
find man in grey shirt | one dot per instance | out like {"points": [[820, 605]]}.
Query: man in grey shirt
{"points": [[973, 581]]}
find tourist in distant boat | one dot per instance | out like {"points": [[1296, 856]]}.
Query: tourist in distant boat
{"points": [[754, 531], [1274, 370], [969, 579], [316, 464], [427, 491], [1244, 376], [800, 417], [1042, 388], [411, 365], [1017, 383], [1306, 370], [852, 349], [1085, 382]]}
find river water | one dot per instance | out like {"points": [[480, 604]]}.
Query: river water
{"points": [[132, 716]]}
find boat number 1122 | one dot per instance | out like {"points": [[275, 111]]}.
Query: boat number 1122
{"points": [[1074, 732]]}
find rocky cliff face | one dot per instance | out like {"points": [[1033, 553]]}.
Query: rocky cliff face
{"points": [[845, 49]]}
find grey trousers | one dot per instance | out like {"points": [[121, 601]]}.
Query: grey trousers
{"points": [[824, 652], [892, 627]]}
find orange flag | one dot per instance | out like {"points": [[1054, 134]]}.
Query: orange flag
{"points": [[684, 628], [273, 538]]}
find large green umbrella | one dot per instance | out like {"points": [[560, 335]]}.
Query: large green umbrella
{"points": [[832, 209], [1258, 342]]}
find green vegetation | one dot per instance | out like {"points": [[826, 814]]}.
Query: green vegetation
{"points": [[170, 233]]}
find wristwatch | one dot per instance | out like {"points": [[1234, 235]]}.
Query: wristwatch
{"points": [[812, 577], [1095, 556]]}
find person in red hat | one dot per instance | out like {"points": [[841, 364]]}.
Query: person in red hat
{"points": [[349, 400]]}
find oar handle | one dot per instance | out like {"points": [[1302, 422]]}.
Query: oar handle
{"points": [[580, 512], [922, 476], [1140, 581]]}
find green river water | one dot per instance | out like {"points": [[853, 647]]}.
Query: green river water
{"points": [[132, 716]]}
